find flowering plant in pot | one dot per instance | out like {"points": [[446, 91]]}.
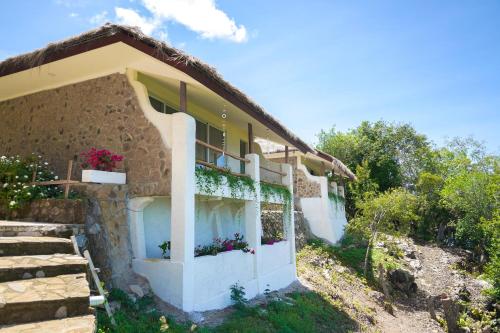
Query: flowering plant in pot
{"points": [[98, 166]]}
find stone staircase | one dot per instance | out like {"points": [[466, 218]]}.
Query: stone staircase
{"points": [[43, 285]]}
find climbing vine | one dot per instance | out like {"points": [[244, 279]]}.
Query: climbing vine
{"points": [[209, 180], [336, 198], [267, 191]]}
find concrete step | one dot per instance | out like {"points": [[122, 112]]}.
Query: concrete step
{"points": [[80, 324], [25, 246], [28, 267], [38, 229], [42, 299]]}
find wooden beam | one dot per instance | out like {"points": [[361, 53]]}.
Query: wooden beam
{"points": [[250, 138], [286, 154], [66, 186], [183, 97], [204, 144]]}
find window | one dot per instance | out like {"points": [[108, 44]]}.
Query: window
{"points": [[159, 106], [214, 137]]}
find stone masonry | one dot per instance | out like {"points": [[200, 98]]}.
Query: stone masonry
{"points": [[103, 113]]}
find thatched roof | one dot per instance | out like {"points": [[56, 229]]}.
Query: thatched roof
{"points": [[273, 148], [337, 164], [198, 70]]}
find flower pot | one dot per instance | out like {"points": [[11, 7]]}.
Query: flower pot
{"points": [[103, 177]]}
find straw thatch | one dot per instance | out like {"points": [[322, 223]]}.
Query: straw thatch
{"points": [[110, 33]]}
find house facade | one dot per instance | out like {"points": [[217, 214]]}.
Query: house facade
{"points": [[189, 218], [320, 198]]}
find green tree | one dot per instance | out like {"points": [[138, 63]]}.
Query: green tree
{"points": [[395, 154], [391, 212]]}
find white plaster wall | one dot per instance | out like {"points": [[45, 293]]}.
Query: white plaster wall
{"points": [[165, 278], [326, 218], [218, 218], [275, 256], [214, 276], [156, 226]]}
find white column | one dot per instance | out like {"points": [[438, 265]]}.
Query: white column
{"points": [[183, 203], [136, 208], [290, 228], [253, 226]]}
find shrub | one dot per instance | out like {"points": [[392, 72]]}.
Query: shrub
{"points": [[16, 176], [225, 245], [102, 159]]}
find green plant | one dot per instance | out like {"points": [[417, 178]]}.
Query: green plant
{"points": [[225, 245], [209, 180], [16, 176], [238, 295], [267, 191], [136, 316], [336, 198], [165, 246]]}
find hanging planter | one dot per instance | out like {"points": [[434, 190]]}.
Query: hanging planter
{"points": [[98, 167]]}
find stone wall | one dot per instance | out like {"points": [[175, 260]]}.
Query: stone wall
{"points": [[103, 113], [65, 211], [107, 231], [272, 223], [304, 188]]}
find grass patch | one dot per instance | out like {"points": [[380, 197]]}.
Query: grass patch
{"points": [[298, 312], [354, 257], [136, 317], [302, 312]]}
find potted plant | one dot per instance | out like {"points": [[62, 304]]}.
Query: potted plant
{"points": [[98, 166]]}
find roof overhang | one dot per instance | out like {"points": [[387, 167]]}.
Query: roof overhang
{"points": [[195, 69]]}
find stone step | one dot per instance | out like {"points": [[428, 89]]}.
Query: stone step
{"points": [[81, 324], [25, 246], [38, 229], [28, 267], [42, 299]]}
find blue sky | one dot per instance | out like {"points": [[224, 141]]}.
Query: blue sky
{"points": [[316, 64]]}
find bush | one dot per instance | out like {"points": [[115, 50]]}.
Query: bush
{"points": [[16, 176]]}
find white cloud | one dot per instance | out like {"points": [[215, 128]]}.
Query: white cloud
{"points": [[200, 16], [133, 18], [99, 19], [73, 15]]}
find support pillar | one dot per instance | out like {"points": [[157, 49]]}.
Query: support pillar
{"points": [[290, 225], [253, 226], [183, 204]]}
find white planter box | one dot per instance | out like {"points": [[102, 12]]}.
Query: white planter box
{"points": [[103, 177]]}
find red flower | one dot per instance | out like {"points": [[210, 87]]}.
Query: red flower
{"points": [[102, 159]]}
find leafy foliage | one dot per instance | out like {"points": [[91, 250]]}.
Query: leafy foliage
{"points": [[16, 175], [406, 186], [225, 245], [209, 180]]}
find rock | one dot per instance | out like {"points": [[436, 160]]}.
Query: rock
{"points": [[196, 317], [114, 305], [40, 274], [464, 294], [136, 289], [402, 280], [62, 312], [486, 329], [411, 254], [27, 275]]}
